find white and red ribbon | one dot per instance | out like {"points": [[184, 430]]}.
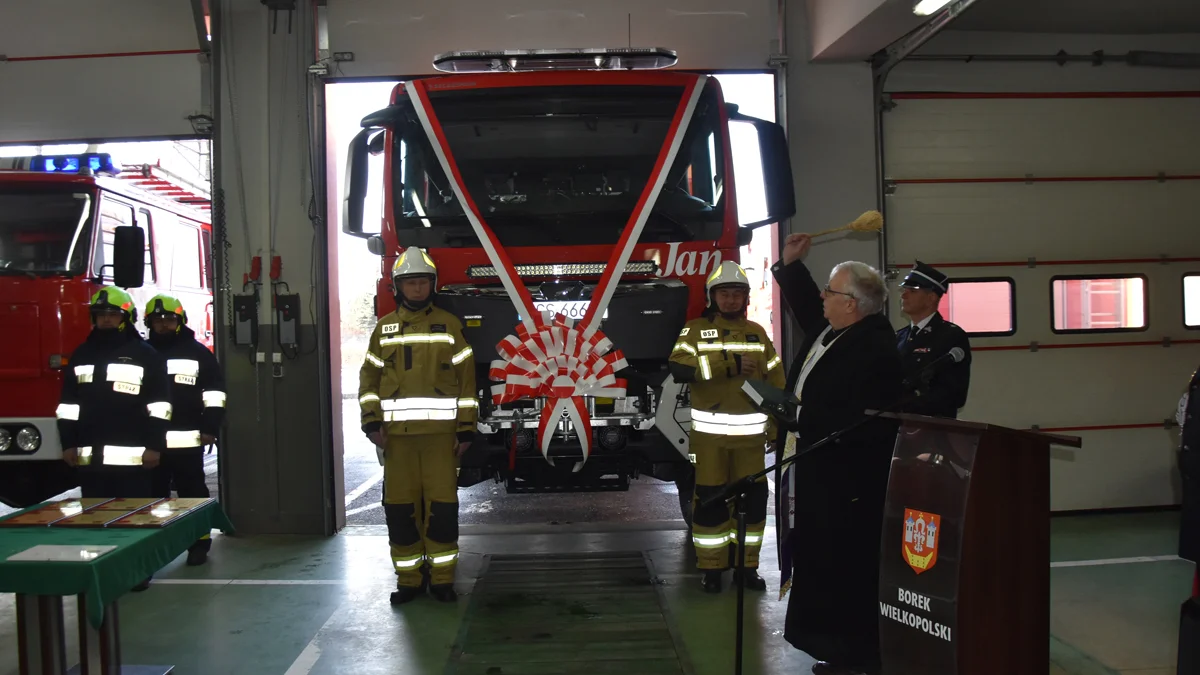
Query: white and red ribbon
{"points": [[549, 356]]}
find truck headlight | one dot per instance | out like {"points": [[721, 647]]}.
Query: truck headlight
{"points": [[28, 439], [5, 440]]}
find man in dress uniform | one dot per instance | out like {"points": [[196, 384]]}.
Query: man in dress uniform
{"points": [[943, 389]]}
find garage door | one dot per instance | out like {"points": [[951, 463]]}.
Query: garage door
{"points": [[1068, 223], [396, 39], [106, 69]]}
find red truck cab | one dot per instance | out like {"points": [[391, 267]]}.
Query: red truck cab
{"points": [[68, 226], [556, 150]]}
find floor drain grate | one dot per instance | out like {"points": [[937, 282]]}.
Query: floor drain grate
{"points": [[582, 613]]}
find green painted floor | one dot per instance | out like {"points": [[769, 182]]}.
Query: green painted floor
{"points": [[310, 606]]}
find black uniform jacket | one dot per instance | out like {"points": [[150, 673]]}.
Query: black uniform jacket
{"points": [[833, 611], [948, 382], [114, 393], [197, 389]]}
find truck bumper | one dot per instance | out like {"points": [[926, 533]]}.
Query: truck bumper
{"points": [[48, 445]]}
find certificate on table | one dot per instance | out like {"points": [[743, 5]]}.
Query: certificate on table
{"points": [[61, 553]]}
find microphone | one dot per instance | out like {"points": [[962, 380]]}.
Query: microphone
{"points": [[923, 375]]}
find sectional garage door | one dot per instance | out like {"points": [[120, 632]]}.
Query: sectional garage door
{"points": [[1069, 222]]}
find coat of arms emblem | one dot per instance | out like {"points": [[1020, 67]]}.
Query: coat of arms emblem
{"points": [[920, 546]]}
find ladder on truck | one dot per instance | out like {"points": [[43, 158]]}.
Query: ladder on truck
{"points": [[155, 179]]}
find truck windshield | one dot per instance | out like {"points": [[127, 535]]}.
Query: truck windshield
{"points": [[44, 230], [559, 166]]}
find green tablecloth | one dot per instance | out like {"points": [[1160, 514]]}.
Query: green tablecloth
{"points": [[139, 554]]}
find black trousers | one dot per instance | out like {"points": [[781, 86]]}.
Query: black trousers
{"points": [[183, 469], [116, 481]]}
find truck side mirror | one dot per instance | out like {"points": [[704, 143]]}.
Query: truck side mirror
{"points": [[129, 256], [375, 244], [780, 191], [357, 174]]}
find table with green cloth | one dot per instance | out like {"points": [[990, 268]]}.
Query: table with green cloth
{"points": [[139, 553]]}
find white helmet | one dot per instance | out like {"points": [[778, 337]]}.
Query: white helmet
{"points": [[727, 273], [414, 262]]}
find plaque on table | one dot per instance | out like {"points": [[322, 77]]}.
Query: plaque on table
{"points": [[162, 513], [94, 518], [128, 503], [61, 553], [48, 514]]}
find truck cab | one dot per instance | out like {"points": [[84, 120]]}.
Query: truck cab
{"points": [[68, 226], [560, 152]]}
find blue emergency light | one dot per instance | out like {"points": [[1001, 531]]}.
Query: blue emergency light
{"points": [[95, 162]]}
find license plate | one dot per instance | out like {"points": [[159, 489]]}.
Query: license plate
{"points": [[572, 309]]}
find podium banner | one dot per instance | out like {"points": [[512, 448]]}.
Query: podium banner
{"points": [[921, 551]]}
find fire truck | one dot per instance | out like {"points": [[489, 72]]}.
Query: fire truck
{"points": [[527, 176], [70, 224]]}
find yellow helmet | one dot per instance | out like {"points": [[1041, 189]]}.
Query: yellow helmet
{"points": [[727, 273], [414, 262]]}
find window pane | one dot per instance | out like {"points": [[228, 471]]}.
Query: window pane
{"points": [[1099, 304], [979, 306], [1191, 301]]}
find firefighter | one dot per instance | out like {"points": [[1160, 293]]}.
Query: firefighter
{"points": [[115, 404], [197, 402], [943, 390], [418, 400], [716, 354]]}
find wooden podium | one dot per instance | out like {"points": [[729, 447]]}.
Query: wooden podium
{"points": [[964, 579]]}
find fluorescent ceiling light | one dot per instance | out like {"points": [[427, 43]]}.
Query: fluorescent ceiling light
{"points": [[927, 7]]}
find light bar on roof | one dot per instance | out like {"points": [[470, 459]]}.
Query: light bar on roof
{"points": [[563, 269], [525, 60]]}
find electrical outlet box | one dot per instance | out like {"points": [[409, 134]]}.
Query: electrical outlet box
{"points": [[287, 307], [245, 320], [343, 56]]}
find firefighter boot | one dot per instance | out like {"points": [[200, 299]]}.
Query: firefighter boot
{"points": [[404, 594], [712, 581], [443, 592], [749, 577]]}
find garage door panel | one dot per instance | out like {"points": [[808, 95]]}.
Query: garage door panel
{"points": [[1015, 221], [975, 138], [1080, 387], [391, 39], [1116, 469], [34, 28], [128, 98]]}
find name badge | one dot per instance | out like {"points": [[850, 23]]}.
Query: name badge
{"points": [[127, 388], [185, 379], [708, 333], [389, 328]]}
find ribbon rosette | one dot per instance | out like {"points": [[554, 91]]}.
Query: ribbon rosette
{"points": [[558, 363]]}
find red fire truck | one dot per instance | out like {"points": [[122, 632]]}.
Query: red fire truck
{"points": [[567, 162], [68, 225]]}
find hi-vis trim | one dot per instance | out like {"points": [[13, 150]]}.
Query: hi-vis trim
{"points": [[114, 455], [419, 409], [684, 347], [368, 398], [84, 374], [184, 439], [417, 338], [183, 367], [710, 540], [374, 360], [67, 411], [467, 403], [125, 372], [408, 562], [160, 409], [214, 399], [442, 559], [731, 347], [774, 363], [461, 356], [705, 369], [726, 424]]}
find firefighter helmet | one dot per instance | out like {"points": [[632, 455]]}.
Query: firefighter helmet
{"points": [[164, 304], [111, 297], [414, 262], [727, 273]]}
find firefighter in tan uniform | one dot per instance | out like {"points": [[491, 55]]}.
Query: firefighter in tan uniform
{"points": [[716, 354], [417, 395]]}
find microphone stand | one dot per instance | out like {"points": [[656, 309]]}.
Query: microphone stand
{"points": [[737, 492]]}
